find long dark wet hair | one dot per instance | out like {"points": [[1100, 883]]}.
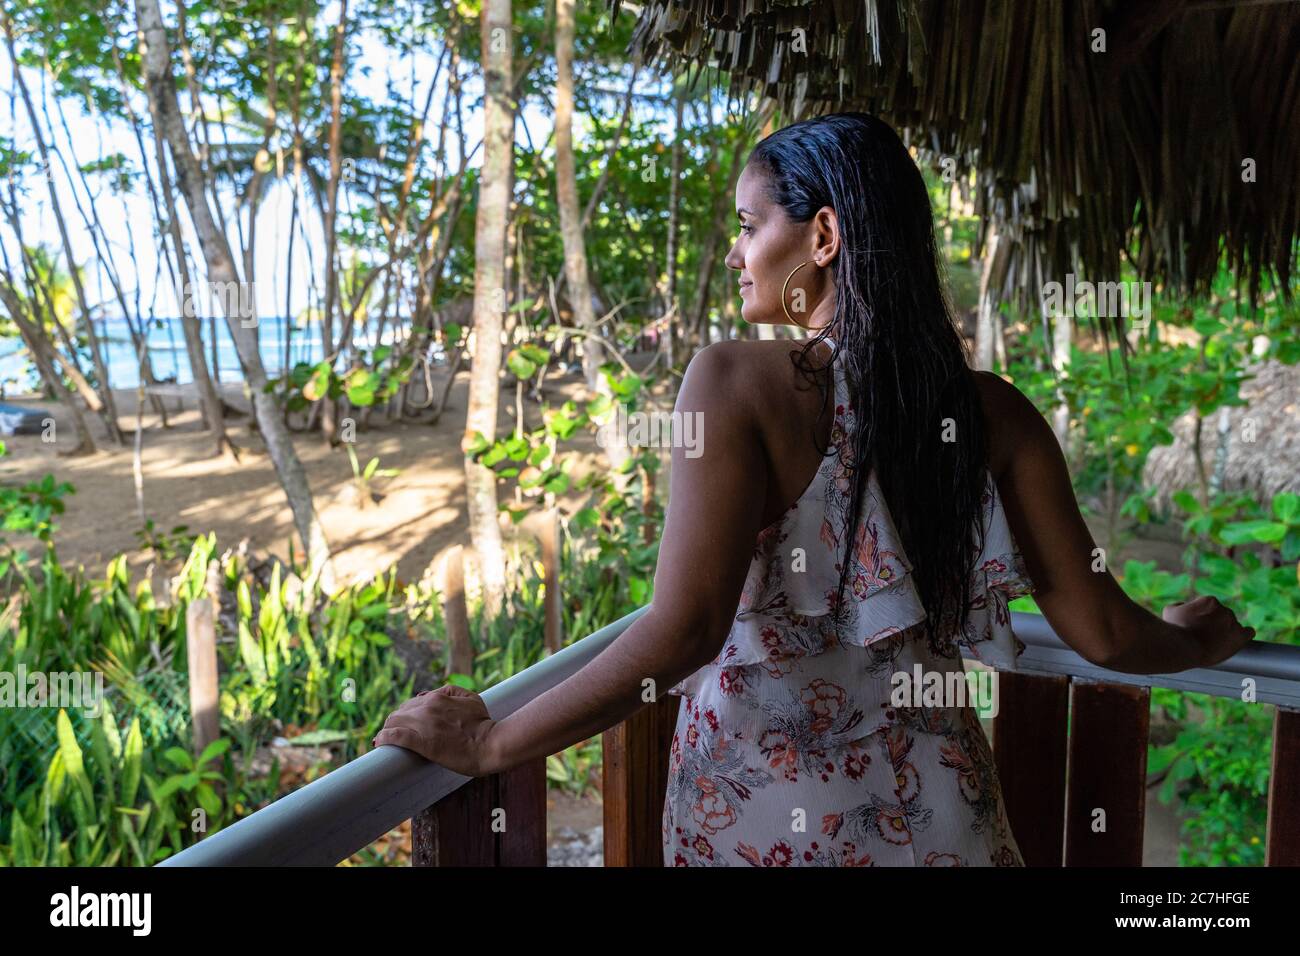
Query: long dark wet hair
{"points": [[895, 334]]}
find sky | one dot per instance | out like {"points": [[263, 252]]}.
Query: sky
{"points": [[128, 219]]}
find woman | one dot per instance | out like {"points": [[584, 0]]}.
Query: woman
{"points": [[864, 507]]}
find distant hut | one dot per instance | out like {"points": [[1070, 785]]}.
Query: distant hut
{"points": [[1256, 449]]}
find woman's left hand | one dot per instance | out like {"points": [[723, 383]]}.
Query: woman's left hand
{"points": [[449, 726]]}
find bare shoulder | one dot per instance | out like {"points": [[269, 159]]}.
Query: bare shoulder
{"points": [[1002, 398], [718, 383], [1012, 423], [746, 356], [755, 363], [746, 371]]}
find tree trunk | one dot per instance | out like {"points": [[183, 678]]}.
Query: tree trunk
{"points": [[674, 205], [1062, 326], [221, 271], [191, 327], [69, 362], [987, 316], [571, 228], [43, 354], [329, 406], [105, 404], [489, 295], [712, 245], [566, 191]]}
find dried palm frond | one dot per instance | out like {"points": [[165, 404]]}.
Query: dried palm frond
{"points": [[1083, 156]]}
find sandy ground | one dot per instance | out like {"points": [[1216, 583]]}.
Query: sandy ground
{"points": [[421, 513]]}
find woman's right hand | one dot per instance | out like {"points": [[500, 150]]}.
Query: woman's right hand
{"points": [[1212, 625]]}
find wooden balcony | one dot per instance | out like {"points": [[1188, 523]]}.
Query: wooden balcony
{"points": [[1070, 739]]}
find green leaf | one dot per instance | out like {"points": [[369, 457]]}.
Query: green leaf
{"points": [[315, 738], [212, 751], [517, 448], [132, 760], [638, 590], [1286, 506], [208, 799], [1244, 532], [361, 387], [72, 758], [319, 383], [520, 365], [179, 758]]}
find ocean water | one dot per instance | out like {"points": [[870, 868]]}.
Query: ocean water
{"points": [[167, 352]]}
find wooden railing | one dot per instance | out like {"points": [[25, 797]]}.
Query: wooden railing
{"points": [[1070, 742]]}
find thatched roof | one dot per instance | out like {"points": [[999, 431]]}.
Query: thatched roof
{"points": [[1072, 147], [1263, 441]]}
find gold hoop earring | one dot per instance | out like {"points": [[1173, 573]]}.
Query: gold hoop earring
{"points": [[784, 308]]}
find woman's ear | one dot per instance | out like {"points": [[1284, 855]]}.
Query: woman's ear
{"points": [[826, 236]]}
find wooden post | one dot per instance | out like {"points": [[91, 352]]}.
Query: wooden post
{"points": [[634, 772], [455, 615], [498, 820], [548, 538], [1029, 736], [201, 654], [1107, 772], [648, 531], [1282, 840]]}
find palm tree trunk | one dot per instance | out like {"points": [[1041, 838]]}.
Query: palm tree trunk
{"points": [[222, 272], [169, 226], [566, 191], [986, 315], [489, 294], [674, 209], [571, 224], [329, 406], [191, 327]]}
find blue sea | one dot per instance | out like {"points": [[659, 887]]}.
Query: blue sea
{"points": [[167, 352]]}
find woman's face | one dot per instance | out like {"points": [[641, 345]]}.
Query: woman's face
{"points": [[769, 246]]}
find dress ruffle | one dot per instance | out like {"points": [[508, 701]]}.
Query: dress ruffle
{"points": [[792, 670], [998, 579]]}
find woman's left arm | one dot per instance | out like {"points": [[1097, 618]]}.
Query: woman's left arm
{"points": [[716, 494]]}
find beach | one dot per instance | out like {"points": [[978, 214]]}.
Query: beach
{"points": [[421, 512]]}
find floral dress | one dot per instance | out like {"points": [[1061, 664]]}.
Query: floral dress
{"points": [[787, 749]]}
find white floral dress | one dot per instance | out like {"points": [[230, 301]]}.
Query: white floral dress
{"points": [[787, 751]]}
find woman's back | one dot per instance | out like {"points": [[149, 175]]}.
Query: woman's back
{"points": [[803, 742]]}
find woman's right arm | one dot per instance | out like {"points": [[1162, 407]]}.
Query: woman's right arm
{"points": [[1087, 607]]}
